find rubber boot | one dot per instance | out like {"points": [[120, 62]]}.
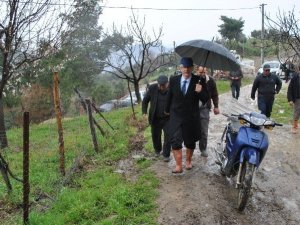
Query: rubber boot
{"points": [[178, 159], [189, 155], [295, 127]]}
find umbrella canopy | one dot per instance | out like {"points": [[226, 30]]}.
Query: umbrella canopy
{"points": [[208, 54]]}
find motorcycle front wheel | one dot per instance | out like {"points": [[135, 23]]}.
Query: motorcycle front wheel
{"points": [[246, 183]]}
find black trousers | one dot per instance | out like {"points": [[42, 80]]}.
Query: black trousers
{"points": [[159, 127], [265, 105], [235, 90]]}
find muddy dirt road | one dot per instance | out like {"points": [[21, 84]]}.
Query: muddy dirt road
{"points": [[203, 196]]}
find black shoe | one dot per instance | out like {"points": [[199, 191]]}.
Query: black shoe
{"points": [[204, 153], [166, 159]]}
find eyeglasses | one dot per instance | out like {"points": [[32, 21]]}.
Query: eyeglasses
{"points": [[267, 70]]}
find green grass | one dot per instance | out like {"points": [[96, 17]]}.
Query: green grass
{"points": [[282, 112], [223, 86], [96, 194]]}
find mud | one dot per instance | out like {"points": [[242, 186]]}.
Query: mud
{"points": [[203, 196]]}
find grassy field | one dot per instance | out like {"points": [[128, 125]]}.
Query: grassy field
{"points": [[95, 193]]}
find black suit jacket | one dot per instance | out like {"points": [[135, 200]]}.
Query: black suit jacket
{"points": [[184, 109], [150, 96]]}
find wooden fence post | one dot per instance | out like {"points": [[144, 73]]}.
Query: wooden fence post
{"points": [[93, 132], [26, 184], [59, 123]]}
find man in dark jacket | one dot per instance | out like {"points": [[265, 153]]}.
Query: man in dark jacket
{"points": [[184, 95], [293, 96], [157, 96], [205, 109], [235, 82], [267, 85]]}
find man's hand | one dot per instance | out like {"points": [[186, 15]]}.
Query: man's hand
{"points": [[216, 111], [291, 103], [198, 88]]}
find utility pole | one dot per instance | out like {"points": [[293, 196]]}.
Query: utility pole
{"points": [[262, 32]]}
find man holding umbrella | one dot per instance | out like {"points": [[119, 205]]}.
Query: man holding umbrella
{"points": [[185, 92]]}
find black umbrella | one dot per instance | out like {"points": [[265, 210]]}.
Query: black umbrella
{"points": [[208, 54]]}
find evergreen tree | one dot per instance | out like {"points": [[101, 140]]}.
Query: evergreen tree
{"points": [[231, 30], [82, 46]]}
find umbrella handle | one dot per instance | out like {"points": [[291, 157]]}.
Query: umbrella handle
{"points": [[206, 58]]}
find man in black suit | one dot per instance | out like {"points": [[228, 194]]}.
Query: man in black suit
{"points": [[157, 96], [185, 92]]}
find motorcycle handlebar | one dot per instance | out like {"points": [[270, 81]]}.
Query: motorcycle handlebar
{"points": [[278, 124]]}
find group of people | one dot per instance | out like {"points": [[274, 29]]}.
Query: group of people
{"points": [[180, 107]]}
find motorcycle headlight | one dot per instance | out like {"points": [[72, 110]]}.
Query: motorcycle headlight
{"points": [[257, 121]]}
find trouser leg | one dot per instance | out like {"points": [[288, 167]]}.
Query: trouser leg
{"points": [[296, 109], [233, 91], [269, 106], [237, 92], [156, 132], [167, 141], [261, 105], [296, 116], [204, 122]]}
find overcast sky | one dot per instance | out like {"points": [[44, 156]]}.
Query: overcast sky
{"points": [[185, 25]]}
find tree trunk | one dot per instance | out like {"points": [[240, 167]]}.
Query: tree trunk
{"points": [[3, 137], [132, 107], [137, 92]]}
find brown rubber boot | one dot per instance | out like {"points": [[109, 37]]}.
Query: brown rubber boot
{"points": [[178, 159], [189, 155], [295, 127]]}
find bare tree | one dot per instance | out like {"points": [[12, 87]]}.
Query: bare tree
{"points": [[286, 34], [133, 57], [24, 27]]}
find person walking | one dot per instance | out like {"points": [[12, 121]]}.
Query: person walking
{"points": [[156, 95], [184, 95], [235, 82], [266, 85], [206, 108], [293, 96]]}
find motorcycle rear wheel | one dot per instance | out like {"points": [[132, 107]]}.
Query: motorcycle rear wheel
{"points": [[246, 183]]}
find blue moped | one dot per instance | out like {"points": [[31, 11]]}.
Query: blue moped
{"points": [[242, 148]]}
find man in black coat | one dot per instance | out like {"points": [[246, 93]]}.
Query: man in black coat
{"points": [[185, 92], [157, 96], [235, 82], [267, 85]]}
